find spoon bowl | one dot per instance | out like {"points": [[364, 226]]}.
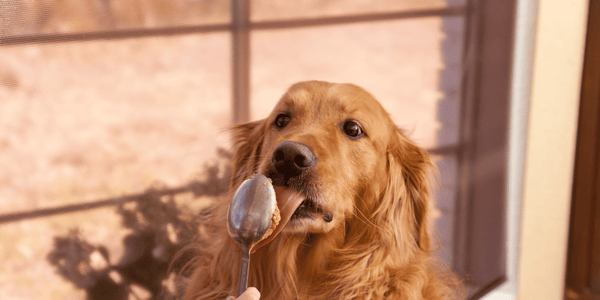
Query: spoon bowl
{"points": [[250, 217]]}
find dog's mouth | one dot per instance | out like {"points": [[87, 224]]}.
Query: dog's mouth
{"points": [[288, 202], [309, 208], [294, 207], [303, 209]]}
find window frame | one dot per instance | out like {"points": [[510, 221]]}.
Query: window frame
{"points": [[480, 251], [520, 92]]}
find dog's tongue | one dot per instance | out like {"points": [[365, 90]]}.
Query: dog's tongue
{"points": [[288, 201]]}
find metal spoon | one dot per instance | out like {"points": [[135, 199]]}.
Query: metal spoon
{"points": [[249, 219]]}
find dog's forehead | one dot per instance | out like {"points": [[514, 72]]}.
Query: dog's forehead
{"points": [[325, 99]]}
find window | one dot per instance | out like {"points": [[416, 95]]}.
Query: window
{"points": [[106, 98]]}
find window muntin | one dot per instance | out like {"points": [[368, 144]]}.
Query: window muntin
{"points": [[269, 10]]}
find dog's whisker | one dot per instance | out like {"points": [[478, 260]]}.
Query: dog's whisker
{"points": [[366, 221]]}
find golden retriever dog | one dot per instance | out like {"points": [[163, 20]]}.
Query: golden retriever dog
{"points": [[361, 229]]}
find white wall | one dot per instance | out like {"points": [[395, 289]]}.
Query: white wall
{"points": [[553, 112]]}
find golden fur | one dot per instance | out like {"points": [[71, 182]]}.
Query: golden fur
{"points": [[376, 246]]}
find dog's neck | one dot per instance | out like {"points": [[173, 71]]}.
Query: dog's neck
{"points": [[297, 264]]}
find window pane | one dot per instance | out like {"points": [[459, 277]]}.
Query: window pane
{"points": [[109, 117], [21, 17], [411, 66], [91, 120], [274, 9], [444, 194]]}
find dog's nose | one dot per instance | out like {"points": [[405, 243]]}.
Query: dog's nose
{"points": [[292, 158]]}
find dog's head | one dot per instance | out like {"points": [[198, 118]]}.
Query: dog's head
{"points": [[335, 145]]}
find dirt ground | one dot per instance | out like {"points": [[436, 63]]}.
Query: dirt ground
{"points": [[81, 121]]}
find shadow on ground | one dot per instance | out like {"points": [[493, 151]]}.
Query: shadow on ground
{"points": [[155, 250]]}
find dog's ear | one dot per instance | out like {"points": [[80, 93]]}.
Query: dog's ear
{"points": [[409, 168], [247, 144]]}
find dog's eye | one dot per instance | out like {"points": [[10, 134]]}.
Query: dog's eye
{"points": [[282, 120], [352, 129]]}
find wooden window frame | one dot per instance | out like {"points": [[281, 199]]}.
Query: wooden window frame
{"points": [[583, 262]]}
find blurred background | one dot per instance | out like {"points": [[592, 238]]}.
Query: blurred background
{"points": [[116, 111]]}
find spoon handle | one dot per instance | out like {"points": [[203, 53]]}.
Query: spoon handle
{"points": [[244, 268]]}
